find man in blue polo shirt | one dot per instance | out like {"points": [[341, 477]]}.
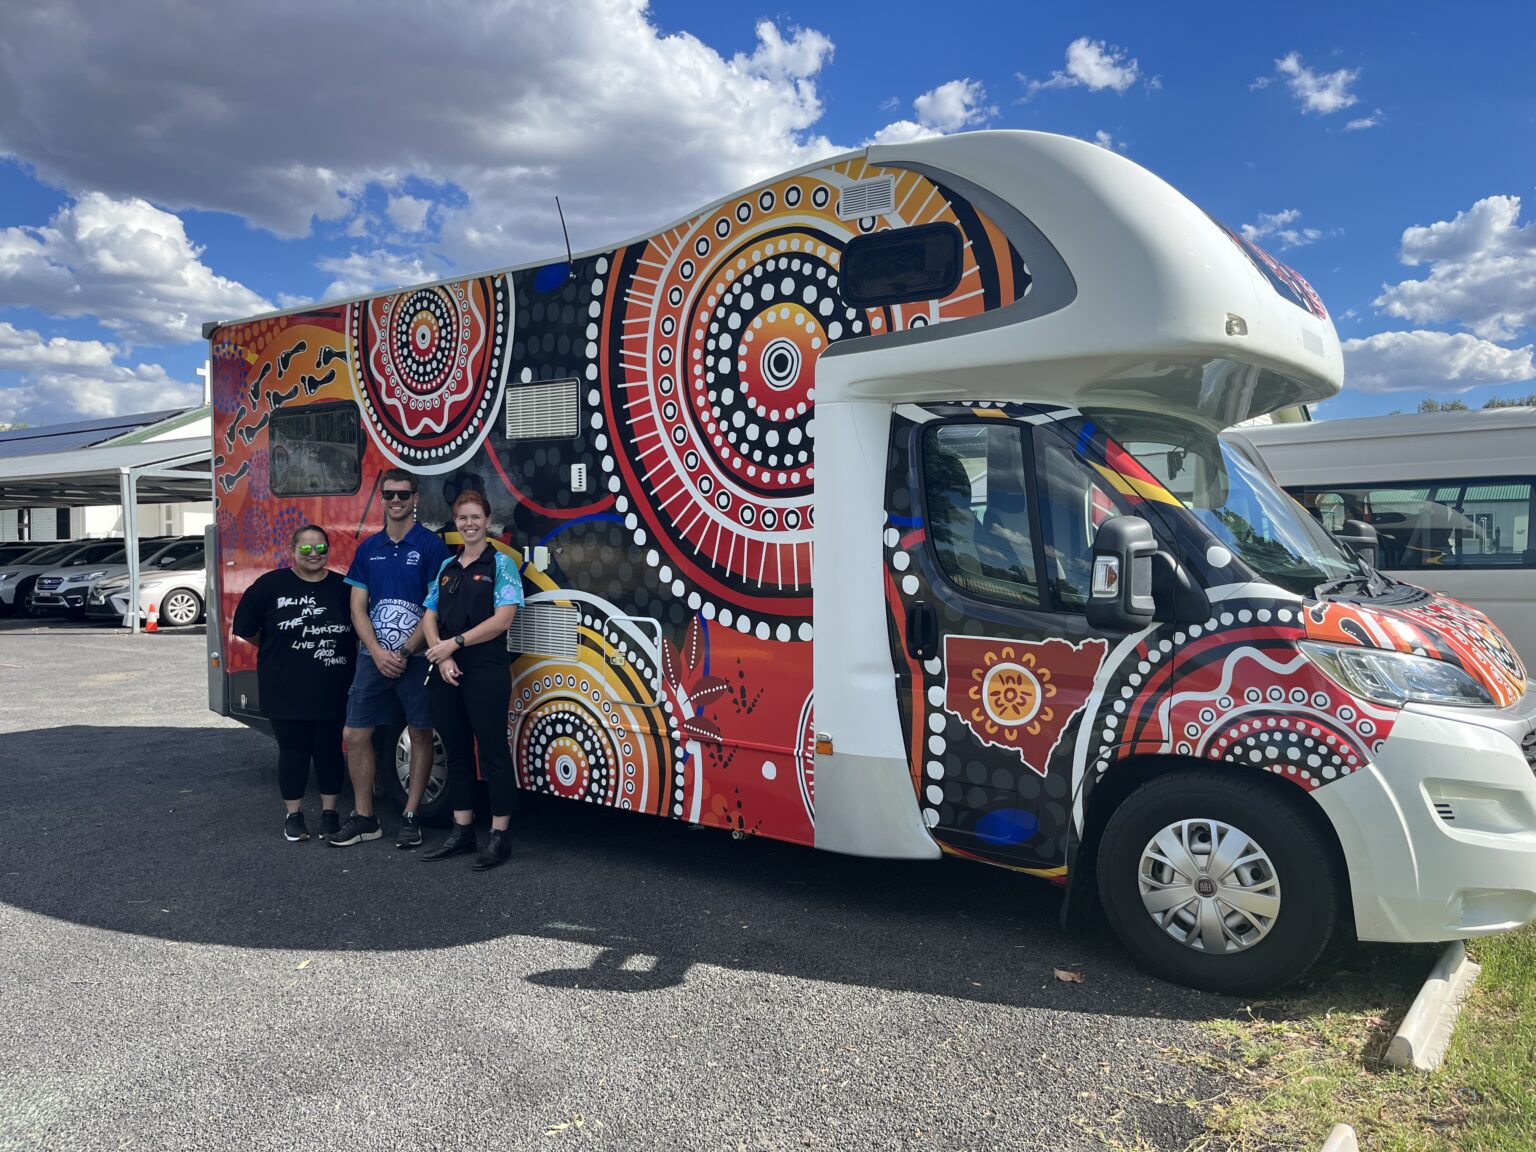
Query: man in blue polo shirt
{"points": [[390, 575]]}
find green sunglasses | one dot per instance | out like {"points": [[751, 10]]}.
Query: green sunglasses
{"points": [[313, 549]]}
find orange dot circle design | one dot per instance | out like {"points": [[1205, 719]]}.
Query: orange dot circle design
{"points": [[1011, 694]]}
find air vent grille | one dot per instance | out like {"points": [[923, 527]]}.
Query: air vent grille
{"points": [[545, 630], [549, 411], [1445, 811], [1528, 746], [875, 197]]}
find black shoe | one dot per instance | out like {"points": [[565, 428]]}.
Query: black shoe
{"points": [[496, 851], [410, 832], [457, 842], [293, 828], [330, 822], [356, 828]]}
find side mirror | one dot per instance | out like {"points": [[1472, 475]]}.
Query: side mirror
{"points": [[1120, 598], [1361, 537]]}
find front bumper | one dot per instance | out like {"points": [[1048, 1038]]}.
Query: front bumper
{"points": [[1440, 831], [106, 606], [65, 598]]}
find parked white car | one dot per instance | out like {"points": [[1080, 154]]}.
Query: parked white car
{"points": [[18, 576], [64, 589], [175, 590]]}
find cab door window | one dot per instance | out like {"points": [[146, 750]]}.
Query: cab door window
{"points": [[977, 492]]}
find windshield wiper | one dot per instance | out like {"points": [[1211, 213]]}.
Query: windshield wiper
{"points": [[1371, 582]]}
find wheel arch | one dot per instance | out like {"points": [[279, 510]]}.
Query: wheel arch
{"points": [[1128, 774]]}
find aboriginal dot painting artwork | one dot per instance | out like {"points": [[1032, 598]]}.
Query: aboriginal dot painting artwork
{"points": [[643, 423], [1012, 722]]}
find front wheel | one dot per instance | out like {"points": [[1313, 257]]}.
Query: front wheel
{"points": [[181, 608], [394, 775], [1217, 881]]}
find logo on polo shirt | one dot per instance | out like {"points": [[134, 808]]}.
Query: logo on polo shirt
{"points": [[413, 557]]}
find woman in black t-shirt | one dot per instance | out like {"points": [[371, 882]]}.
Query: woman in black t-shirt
{"points": [[301, 618]]}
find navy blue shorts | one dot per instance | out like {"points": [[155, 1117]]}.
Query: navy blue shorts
{"points": [[370, 703]]}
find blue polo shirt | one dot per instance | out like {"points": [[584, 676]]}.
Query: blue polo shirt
{"points": [[396, 578]]}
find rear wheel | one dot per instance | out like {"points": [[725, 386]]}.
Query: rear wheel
{"points": [[180, 608], [394, 775], [1218, 881]]}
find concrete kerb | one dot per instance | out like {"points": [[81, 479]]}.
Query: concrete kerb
{"points": [[1341, 1139], [1425, 1033]]}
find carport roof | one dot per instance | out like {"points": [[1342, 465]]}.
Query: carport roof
{"points": [[166, 472]]}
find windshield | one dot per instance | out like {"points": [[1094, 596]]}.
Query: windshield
{"points": [[47, 555], [1235, 500]]}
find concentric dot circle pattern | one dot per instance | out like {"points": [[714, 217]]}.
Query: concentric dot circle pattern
{"points": [[429, 367]]}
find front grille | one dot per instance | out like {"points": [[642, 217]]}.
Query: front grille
{"points": [[49, 583], [1528, 746]]}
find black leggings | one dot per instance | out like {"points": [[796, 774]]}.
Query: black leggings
{"points": [[475, 713], [302, 742]]}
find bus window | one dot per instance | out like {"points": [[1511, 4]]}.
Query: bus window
{"points": [[1073, 504], [1441, 524], [977, 495], [316, 451]]}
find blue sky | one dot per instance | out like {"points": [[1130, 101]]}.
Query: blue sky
{"points": [[163, 164]]}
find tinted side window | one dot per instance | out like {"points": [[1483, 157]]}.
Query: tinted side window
{"points": [[1073, 503], [1435, 524], [902, 265], [977, 495], [315, 451]]}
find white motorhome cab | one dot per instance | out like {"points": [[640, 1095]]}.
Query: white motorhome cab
{"points": [[1448, 494], [881, 508]]}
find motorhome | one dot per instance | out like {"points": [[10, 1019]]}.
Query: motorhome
{"points": [[881, 507], [1448, 494]]}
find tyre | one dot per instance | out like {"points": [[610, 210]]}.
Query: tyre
{"points": [[180, 608], [392, 757], [1219, 881]]}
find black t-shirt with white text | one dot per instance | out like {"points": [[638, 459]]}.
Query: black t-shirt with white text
{"points": [[307, 646]]}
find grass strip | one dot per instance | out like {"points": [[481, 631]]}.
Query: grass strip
{"points": [[1300, 1063]]}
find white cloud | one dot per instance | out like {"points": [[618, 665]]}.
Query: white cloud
{"points": [[359, 273], [126, 263], [1094, 65], [948, 108], [509, 103], [63, 379], [1317, 92], [1364, 122], [408, 213], [1107, 142], [1279, 226], [1439, 362], [1482, 272]]}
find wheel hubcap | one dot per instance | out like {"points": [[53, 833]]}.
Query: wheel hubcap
{"points": [[439, 778], [180, 610], [1210, 886]]}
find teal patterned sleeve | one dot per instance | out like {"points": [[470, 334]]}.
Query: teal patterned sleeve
{"points": [[509, 583]]}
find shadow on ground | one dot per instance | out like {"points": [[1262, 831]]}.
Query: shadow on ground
{"points": [[175, 833]]}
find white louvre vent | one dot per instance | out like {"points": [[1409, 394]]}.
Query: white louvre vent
{"points": [[545, 630], [549, 411], [875, 197]]}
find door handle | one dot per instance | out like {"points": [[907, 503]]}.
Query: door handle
{"points": [[922, 631]]}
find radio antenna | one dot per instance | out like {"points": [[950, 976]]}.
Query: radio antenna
{"points": [[564, 232]]}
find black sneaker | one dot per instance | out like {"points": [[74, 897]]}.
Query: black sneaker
{"points": [[330, 822], [293, 828], [410, 832], [356, 828]]}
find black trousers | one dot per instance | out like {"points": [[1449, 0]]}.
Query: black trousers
{"points": [[474, 715], [301, 743]]}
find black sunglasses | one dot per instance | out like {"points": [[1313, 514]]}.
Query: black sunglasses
{"points": [[393, 494]]}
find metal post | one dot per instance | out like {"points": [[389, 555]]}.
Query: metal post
{"points": [[130, 489]]}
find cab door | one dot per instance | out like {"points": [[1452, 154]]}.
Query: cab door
{"points": [[989, 529]]}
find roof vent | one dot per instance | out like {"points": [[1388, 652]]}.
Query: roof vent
{"points": [[549, 411], [875, 197]]}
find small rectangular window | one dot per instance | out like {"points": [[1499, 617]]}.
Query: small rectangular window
{"points": [[977, 495], [902, 265], [315, 451], [1434, 524]]}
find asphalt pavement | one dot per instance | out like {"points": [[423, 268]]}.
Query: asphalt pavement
{"points": [[174, 975]]}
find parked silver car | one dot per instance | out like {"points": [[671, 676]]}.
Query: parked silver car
{"points": [[18, 576], [64, 588], [174, 590]]}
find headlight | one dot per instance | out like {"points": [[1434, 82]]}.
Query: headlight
{"points": [[6, 577], [1396, 678], [76, 579]]}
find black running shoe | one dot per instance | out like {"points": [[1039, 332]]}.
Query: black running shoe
{"points": [[355, 829], [330, 822], [293, 828], [410, 832]]}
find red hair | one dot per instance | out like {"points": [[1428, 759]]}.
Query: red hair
{"points": [[472, 497]]}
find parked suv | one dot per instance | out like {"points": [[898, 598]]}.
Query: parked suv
{"points": [[64, 588], [18, 576]]}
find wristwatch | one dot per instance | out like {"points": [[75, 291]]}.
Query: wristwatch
{"points": [[460, 639]]}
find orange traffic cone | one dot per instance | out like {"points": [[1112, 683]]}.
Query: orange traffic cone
{"points": [[154, 620]]}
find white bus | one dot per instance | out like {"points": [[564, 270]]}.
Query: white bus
{"points": [[1449, 494], [880, 508]]}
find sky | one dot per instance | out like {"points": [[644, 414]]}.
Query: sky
{"points": [[165, 162]]}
